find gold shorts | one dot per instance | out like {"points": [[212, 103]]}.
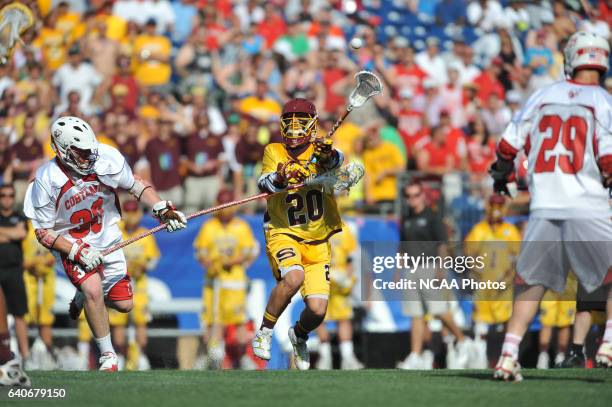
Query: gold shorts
{"points": [[40, 305], [286, 254], [226, 307]]}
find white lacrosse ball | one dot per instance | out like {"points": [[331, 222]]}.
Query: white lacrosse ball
{"points": [[356, 43]]}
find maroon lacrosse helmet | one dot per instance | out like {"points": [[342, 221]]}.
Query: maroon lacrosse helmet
{"points": [[298, 123]]}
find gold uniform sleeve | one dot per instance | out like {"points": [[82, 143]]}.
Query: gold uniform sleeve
{"points": [[271, 159], [203, 241]]}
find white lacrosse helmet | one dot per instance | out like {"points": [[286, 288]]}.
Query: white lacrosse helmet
{"points": [[586, 50], [75, 144]]}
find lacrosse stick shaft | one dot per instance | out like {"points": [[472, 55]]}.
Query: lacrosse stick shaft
{"points": [[193, 215], [156, 229]]}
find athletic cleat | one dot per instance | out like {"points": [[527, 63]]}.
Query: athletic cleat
{"points": [[262, 343], [109, 362], [76, 305], [603, 358], [572, 360], [412, 362], [508, 369], [11, 374], [351, 363], [300, 351], [543, 361]]}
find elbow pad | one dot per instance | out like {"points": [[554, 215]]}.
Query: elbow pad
{"points": [[139, 187], [46, 237]]}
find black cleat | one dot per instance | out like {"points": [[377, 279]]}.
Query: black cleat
{"points": [[572, 360]]}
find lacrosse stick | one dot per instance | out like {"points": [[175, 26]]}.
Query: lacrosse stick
{"points": [[15, 18], [341, 179], [368, 85]]}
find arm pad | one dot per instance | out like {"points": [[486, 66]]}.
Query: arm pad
{"points": [[46, 237], [139, 187], [502, 169]]}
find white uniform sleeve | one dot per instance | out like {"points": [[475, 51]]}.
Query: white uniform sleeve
{"points": [[112, 168], [604, 128], [39, 206]]}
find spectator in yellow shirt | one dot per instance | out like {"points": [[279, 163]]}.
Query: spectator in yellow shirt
{"points": [[152, 55], [383, 162], [260, 105]]}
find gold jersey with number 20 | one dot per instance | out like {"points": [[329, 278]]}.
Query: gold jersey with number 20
{"points": [[307, 214]]}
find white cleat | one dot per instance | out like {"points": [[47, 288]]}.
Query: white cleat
{"points": [[324, 362], [464, 349], [351, 363], [300, 351], [412, 362], [11, 374], [543, 360], [603, 358], [109, 362], [508, 369], [262, 343]]}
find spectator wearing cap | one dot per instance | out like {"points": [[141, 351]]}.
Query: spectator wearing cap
{"points": [[80, 76], [431, 62], [383, 162], [162, 154], [204, 159], [488, 81], [152, 57], [27, 155], [437, 156]]}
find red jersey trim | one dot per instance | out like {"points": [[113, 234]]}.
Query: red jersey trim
{"points": [[506, 151]]}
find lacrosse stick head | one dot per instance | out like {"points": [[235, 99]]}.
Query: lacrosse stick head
{"points": [[339, 180], [368, 85], [15, 18]]}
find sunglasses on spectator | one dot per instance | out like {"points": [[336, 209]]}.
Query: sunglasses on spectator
{"points": [[7, 195], [410, 196]]}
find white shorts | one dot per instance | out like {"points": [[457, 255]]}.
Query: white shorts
{"points": [[113, 271], [421, 301], [552, 247]]}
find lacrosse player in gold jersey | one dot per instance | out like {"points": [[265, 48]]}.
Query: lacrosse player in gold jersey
{"points": [[297, 225]]}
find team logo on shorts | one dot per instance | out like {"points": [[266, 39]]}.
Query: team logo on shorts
{"points": [[285, 254]]}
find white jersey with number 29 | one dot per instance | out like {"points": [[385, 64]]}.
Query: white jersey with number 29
{"points": [[564, 129], [82, 208]]}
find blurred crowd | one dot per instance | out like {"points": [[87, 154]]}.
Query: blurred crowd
{"points": [[190, 91]]}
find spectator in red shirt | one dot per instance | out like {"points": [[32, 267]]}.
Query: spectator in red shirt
{"points": [[480, 148], [409, 121], [272, 26], [332, 82], [437, 156], [406, 74], [455, 138], [125, 77], [204, 159], [488, 82], [162, 153]]}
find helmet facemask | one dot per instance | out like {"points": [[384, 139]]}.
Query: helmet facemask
{"points": [[298, 129], [82, 161]]}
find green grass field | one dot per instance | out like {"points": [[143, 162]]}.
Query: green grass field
{"points": [[576, 388]]}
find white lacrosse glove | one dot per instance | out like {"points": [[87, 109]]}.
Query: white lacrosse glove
{"points": [[85, 255], [167, 213]]}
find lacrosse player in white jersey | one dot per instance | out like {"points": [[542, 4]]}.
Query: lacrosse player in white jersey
{"points": [[75, 212], [565, 129]]}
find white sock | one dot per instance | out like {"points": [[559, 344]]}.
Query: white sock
{"points": [[325, 350], [608, 333], [511, 345], [105, 344], [83, 348], [346, 349]]}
